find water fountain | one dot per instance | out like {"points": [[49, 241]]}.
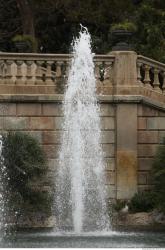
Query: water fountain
{"points": [[80, 197]]}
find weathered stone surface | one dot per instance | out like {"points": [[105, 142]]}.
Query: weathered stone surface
{"points": [[52, 109], [127, 127], [144, 187], [58, 121], [125, 60], [126, 155], [51, 150], [7, 109], [142, 123], [156, 123], [148, 137], [147, 150], [161, 136], [108, 150], [110, 177], [107, 136], [136, 219], [52, 137], [145, 164], [126, 174], [107, 123], [161, 113], [110, 191], [147, 111], [15, 123], [109, 163], [29, 109], [142, 178], [41, 123], [107, 110]]}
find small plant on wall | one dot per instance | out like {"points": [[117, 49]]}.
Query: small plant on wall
{"points": [[25, 164]]}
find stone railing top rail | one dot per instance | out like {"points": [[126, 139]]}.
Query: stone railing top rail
{"points": [[45, 57], [151, 62]]}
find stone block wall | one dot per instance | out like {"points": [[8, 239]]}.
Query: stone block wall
{"points": [[151, 130], [107, 113], [43, 120], [131, 133]]}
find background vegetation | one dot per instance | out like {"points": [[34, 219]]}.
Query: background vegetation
{"points": [[53, 23]]}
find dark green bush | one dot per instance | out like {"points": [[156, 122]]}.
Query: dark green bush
{"points": [[119, 204], [158, 176], [142, 202], [25, 164]]}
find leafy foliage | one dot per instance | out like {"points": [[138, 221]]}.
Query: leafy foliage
{"points": [[25, 163], [142, 202], [158, 174], [119, 205], [150, 37], [56, 22], [128, 26], [29, 40]]}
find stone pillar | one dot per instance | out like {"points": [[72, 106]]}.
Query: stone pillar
{"points": [[126, 150], [124, 71]]}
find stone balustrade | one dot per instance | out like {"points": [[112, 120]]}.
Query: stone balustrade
{"points": [[116, 74], [46, 69], [151, 74]]}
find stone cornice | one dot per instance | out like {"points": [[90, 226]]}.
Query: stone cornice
{"points": [[102, 99]]}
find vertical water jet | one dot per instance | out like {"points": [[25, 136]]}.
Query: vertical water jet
{"points": [[80, 198]]}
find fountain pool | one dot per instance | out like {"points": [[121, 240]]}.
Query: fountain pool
{"points": [[63, 240]]}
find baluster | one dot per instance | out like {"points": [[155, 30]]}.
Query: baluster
{"points": [[102, 72], [58, 69], [163, 85], [19, 74], [139, 77], [147, 80], [97, 70], [108, 70], [49, 80], [39, 76], [29, 75], [9, 76], [1, 71], [156, 82], [67, 68]]}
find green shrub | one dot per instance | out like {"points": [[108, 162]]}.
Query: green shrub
{"points": [[126, 25], [29, 40], [142, 202], [119, 204], [158, 176], [25, 164]]}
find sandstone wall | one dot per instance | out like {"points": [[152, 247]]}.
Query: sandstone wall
{"points": [[151, 130], [44, 122], [131, 132]]}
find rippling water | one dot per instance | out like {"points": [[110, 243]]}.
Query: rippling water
{"points": [[113, 239]]}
